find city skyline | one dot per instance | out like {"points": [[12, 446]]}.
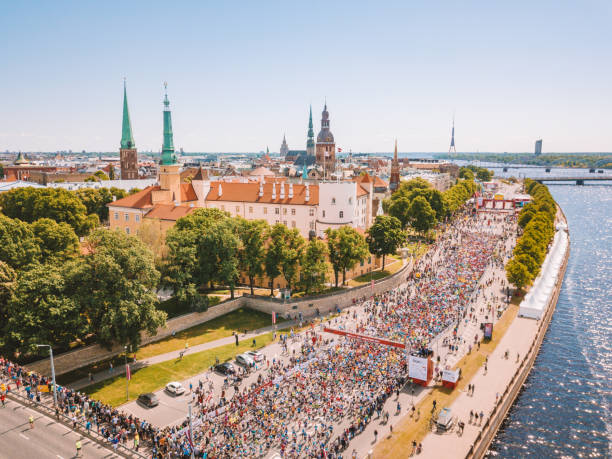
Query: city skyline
{"points": [[241, 79]]}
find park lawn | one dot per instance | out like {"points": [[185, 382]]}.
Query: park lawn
{"points": [[156, 376], [221, 327], [409, 429], [392, 266]]}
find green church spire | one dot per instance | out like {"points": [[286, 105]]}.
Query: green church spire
{"points": [[310, 142], [167, 157], [127, 141]]}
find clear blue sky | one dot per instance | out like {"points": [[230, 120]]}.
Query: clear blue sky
{"points": [[240, 74]]}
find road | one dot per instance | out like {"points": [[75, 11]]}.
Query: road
{"points": [[48, 438]]}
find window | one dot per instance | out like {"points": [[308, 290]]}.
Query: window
{"points": [[292, 223], [250, 210], [277, 221], [341, 214], [350, 200], [285, 222], [265, 211], [333, 200], [311, 212], [237, 209], [116, 215], [311, 225], [323, 214], [362, 265], [127, 230], [127, 217], [292, 211], [285, 211], [277, 211], [370, 260]]}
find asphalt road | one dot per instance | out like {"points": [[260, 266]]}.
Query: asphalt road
{"points": [[48, 438]]}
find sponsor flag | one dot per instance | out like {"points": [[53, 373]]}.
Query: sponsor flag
{"points": [[339, 149], [128, 373], [273, 317]]}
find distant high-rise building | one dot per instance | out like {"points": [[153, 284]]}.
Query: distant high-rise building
{"points": [[395, 171], [128, 155], [538, 147], [326, 146], [284, 149], [310, 142], [452, 148]]}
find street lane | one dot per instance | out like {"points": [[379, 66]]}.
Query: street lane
{"points": [[48, 438]]}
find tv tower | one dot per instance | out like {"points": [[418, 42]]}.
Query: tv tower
{"points": [[452, 144]]}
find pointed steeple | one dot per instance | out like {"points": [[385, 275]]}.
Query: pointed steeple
{"points": [[310, 142], [395, 171], [127, 140], [395, 161], [167, 156]]}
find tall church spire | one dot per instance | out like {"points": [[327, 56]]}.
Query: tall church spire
{"points": [[167, 156], [127, 140], [310, 142], [395, 171]]}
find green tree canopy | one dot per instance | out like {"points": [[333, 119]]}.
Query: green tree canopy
{"points": [[115, 285], [385, 236], [57, 241], [252, 254], [347, 247], [18, 245], [274, 253], [314, 266], [421, 216], [399, 209], [8, 279], [517, 273], [218, 254]]}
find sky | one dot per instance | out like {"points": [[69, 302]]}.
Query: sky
{"points": [[243, 73]]}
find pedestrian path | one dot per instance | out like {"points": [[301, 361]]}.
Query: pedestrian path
{"points": [[173, 355]]}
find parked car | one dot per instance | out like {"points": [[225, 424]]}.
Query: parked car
{"points": [[225, 368], [256, 355], [245, 360], [175, 388], [149, 400]]}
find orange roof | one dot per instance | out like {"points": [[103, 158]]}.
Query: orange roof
{"points": [[169, 212], [187, 193], [140, 200], [361, 190], [249, 192], [378, 182]]}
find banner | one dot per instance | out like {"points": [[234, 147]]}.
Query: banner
{"points": [[450, 375], [370, 339], [417, 368], [488, 330]]}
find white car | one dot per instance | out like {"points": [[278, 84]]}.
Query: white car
{"points": [[175, 388], [245, 360], [256, 355]]}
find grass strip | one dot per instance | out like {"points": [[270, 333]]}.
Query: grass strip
{"points": [[156, 376]]}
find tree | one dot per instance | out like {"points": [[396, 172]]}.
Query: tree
{"points": [[292, 252], [18, 245], [385, 236], [421, 216], [42, 311], [252, 255], [530, 263], [8, 278], [57, 241], [96, 199], [30, 204], [111, 172], [101, 175], [517, 273], [218, 254], [314, 266], [274, 253], [399, 209], [114, 284], [466, 173], [484, 175], [346, 248]]}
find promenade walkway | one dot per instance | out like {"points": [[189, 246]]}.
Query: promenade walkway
{"points": [[173, 355]]}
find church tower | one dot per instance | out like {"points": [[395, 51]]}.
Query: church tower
{"points": [[310, 142], [284, 149], [395, 171], [127, 153], [169, 169], [326, 146]]}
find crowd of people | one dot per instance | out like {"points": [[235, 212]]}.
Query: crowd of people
{"points": [[313, 403]]}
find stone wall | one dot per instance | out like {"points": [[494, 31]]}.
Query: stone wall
{"points": [[72, 360]]}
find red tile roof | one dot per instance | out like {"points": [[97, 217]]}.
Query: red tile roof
{"points": [[249, 192], [187, 193], [140, 200], [169, 211]]}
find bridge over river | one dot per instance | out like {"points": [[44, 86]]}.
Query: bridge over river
{"points": [[579, 179]]}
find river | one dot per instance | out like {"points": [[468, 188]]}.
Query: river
{"points": [[563, 409]]}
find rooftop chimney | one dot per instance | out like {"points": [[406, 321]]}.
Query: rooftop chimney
{"points": [[282, 191], [273, 190], [291, 191], [260, 189], [307, 198], [220, 189]]}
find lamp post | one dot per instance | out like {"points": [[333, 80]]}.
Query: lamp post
{"points": [[52, 371], [127, 376]]}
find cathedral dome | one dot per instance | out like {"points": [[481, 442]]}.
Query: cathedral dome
{"points": [[325, 136]]}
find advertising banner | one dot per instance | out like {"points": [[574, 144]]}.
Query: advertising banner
{"points": [[417, 368], [451, 376], [371, 339]]}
